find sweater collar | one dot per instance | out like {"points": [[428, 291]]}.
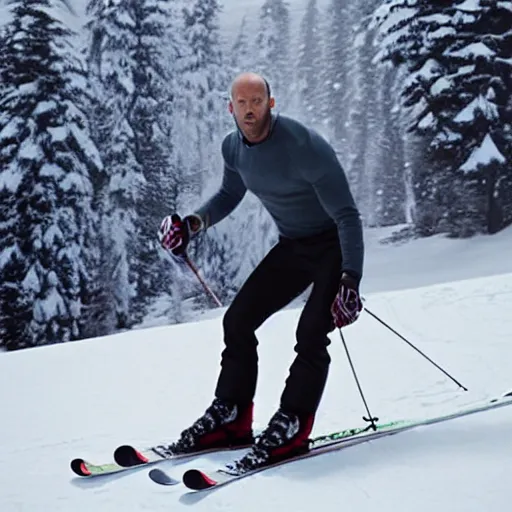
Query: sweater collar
{"points": [[273, 120]]}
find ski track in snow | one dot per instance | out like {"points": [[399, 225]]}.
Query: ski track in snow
{"points": [[144, 386]]}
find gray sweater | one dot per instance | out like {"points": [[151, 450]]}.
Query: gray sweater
{"points": [[296, 175]]}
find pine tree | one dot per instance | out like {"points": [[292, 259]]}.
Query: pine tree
{"points": [[151, 118], [114, 74], [205, 122], [360, 117], [241, 58], [309, 66], [204, 78], [481, 120], [47, 159], [374, 166], [272, 49], [387, 160], [341, 18], [457, 97]]}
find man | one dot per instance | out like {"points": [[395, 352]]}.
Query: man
{"points": [[297, 177]]}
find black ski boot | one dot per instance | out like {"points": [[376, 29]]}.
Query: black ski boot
{"points": [[286, 435], [223, 425]]}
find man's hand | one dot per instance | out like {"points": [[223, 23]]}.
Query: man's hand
{"points": [[175, 233], [347, 305]]}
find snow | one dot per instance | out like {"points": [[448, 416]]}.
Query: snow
{"points": [[52, 305], [84, 398], [429, 121], [45, 106], [11, 128], [469, 5], [504, 61], [10, 177], [74, 180], [429, 70], [7, 254], [385, 21], [484, 154], [467, 114], [505, 5], [50, 169], [441, 32], [5, 13], [448, 135], [31, 281], [440, 85], [420, 108], [473, 50], [29, 89], [466, 70], [30, 149], [439, 19], [86, 144], [52, 236], [58, 133]]}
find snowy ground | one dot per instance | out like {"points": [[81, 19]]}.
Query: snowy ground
{"points": [[82, 399]]}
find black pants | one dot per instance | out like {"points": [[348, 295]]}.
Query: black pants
{"points": [[285, 272]]}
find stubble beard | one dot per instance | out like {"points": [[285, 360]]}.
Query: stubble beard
{"points": [[259, 130]]}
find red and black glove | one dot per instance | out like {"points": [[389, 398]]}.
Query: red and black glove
{"points": [[175, 233], [347, 305]]}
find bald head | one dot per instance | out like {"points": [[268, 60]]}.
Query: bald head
{"points": [[251, 103], [253, 81]]}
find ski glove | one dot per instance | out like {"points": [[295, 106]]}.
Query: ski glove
{"points": [[347, 305], [175, 233]]}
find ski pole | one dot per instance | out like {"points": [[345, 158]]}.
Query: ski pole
{"points": [[208, 290], [415, 348], [371, 419]]}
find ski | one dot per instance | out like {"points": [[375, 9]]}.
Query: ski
{"points": [[127, 457], [199, 480]]}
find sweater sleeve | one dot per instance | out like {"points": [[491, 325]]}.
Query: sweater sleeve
{"points": [[323, 170], [231, 192]]}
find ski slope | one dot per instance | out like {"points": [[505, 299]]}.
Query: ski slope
{"points": [[143, 386]]}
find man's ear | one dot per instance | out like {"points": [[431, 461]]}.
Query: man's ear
{"points": [[272, 103], [230, 107]]}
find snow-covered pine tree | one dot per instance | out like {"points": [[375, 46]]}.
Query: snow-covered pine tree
{"points": [[241, 58], [47, 158], [150, 116], [505, 108], [198, 133], [482, 170], [113, 74], [15, 308], [341, 17], [361, 107], [309, 66], [450, 52], [4, 61], [272, 51], [386, 158], [204, 80], [374, 165]]}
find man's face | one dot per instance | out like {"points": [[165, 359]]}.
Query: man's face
{"points": [[251, 106]]}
